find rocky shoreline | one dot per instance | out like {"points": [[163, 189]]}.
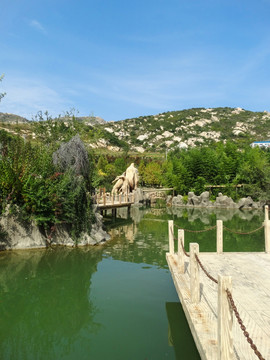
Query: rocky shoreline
{"points": [[221, 202], [15, 234]]}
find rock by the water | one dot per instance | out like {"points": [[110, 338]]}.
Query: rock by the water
{"points": [[97, 234], [18, 235], [193, 200], [247, 203], [138, 196], [177, 200], [224, 201]]}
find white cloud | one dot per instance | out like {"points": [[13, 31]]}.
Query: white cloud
{"points": [[37, 25], [26, 97]]}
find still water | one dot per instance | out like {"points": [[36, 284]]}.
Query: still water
{"points": [[115, 301]]}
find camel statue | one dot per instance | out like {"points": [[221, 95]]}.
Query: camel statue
{"points": [[127, 182]]}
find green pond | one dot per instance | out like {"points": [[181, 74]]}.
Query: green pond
{"points": [[115, 301]]}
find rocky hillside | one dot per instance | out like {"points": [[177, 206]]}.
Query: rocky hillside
{"points": [[193, 127], [185, 128], [12, 119]]}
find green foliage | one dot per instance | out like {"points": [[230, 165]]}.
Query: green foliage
{"points": [[152, 174], [160, 203], [30, 181], [193, 169]]}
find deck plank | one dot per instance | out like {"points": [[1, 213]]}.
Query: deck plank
{"points": [[251, 293]]}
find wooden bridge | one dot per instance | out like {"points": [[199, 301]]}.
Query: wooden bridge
{"points": [[225, 297], [106, 200]]}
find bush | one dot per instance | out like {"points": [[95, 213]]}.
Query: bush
{"points": [[29, 180]]}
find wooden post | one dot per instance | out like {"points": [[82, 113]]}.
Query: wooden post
{"points": [[126, 197], [266, 229], [266, 213], [171, 237], [225, 319], [181, 255], [120, 198], [104, 198], [194, 273], [219, 236]]}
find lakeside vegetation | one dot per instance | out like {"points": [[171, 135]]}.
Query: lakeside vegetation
{"points": [[34, 186]]}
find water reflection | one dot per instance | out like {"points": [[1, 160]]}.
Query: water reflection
{"points": [[140, 238], [178, 337], [66, 303], [44, 303], [205, 214]]}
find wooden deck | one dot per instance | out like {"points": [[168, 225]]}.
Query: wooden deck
{"points": [[250, 274]]}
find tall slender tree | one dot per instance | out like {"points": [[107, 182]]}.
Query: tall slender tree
{"points": [[2, 94]]}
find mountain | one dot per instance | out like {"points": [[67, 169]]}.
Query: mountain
{"points": [[156, 133], [88, 120], [12, 119], [192, 127]]}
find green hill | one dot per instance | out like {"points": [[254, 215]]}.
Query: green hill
{"points": [[155, 133], [192, 127]]}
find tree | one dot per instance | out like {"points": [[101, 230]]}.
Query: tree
{"points": [[153, 174], [2, 94]]}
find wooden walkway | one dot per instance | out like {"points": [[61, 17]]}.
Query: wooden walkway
{"points": [[108, 201], [250, 276]]}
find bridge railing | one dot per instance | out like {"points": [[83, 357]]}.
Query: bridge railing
{"points": [[107, 198], [226, 305]]}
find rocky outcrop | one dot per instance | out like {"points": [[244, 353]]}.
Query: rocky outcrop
{"points": [[138, 196], [97, 235], [177, 200], [222, 201], [247, 203], [202, 200], [15, 234]]}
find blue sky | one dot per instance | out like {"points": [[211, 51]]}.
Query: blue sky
{"points": [[121, 59]]}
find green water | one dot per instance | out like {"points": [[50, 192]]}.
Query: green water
{"points": [[115, 301]]}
